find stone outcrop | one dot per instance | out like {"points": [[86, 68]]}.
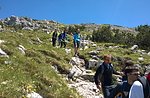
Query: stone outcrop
{"points": [[26, 23], [83, 80]]}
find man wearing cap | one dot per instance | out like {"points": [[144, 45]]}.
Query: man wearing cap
{"points": [[140, 89]]}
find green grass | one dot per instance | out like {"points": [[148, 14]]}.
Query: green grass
{"points": [[34, 68], [18, 72]]}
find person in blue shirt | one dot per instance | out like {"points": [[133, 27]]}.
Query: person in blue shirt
{"points": [[76, 41], [59, 39], [63, 39]]}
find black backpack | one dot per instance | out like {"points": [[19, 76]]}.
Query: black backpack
{"points": [[122, 93], [146, 86]]}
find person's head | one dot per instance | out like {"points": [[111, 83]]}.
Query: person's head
{"points": [[126, 64], [55, 30], [64, 30], [78, 30], [129, 63], [107, 59], [132, 72]]}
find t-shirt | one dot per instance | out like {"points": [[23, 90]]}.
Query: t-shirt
{"points": [[136, 90], [76, 37], [64, 35]]}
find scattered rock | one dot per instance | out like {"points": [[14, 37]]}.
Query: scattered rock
{"points": [[3, 53], [22, 49], [134, 47], [92, 63], [34, 95], [77, 61], [94, 45], [148, 53], [67, 50], [2, 41], [86, 89], [75, 71], [141, 59]]}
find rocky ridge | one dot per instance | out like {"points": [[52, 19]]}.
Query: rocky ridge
{"points": [[26, 23]]}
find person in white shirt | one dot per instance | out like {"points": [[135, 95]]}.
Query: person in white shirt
{"points": [[137, 90]]}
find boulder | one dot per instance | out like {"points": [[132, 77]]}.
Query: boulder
{"points": [[94, 45], [3, 53], [34, 95], [67, 50], [141, 59], [77, 61], [148, 53], [134, 47], [22, 49], [92, 63], [75, 71], [93, 52]]}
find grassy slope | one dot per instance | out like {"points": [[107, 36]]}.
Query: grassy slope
{"points": [[32, 70]]}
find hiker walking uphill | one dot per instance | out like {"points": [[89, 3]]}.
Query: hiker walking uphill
{"points": [[141, 87], [76, 41], [103, 76], [123, 88], [54, 38]]}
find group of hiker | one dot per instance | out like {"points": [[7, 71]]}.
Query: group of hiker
{"points": [[62, 39], [132, 86]]}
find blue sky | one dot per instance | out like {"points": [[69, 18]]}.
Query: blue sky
{"points": [[129, 13]]}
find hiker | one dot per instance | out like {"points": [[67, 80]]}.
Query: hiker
{"points": [[103, 76], [123, 88], [54, 37], [59, 38], [141, 87], [64, 38], [126, 64], [76, 41]]}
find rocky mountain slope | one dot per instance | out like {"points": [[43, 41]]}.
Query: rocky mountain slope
{"points": [[26, 23], [31, 66]]}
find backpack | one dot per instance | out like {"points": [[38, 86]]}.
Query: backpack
{"points": [[122, 93], [146, 86]]}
